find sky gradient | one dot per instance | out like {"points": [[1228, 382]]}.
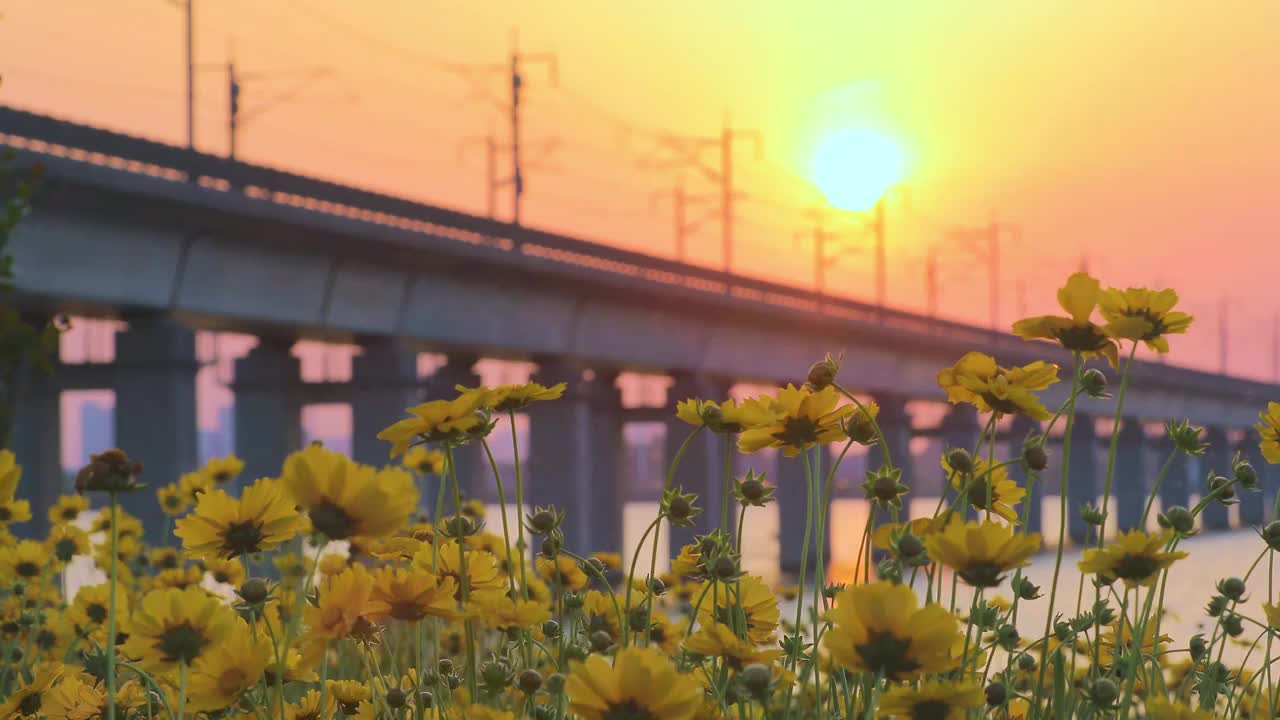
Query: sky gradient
{"points": [[1136, 138]]}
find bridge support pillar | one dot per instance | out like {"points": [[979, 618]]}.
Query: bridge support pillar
{"points": [[1253, 504], [1082, 479], [960, 429], [792, 498], [1129, 482], [701, 468], [895, 423], [575, 455], [1022, 428], [36, 442], [384, 381], [1217, 460], [473, 470], [268, 409], [155, 414]]}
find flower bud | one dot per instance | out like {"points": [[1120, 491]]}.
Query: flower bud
{"points": [[555, 683], [1246, 475], [551, 629], [254, 591], [425, 698], [529, 681], [1024, 588], [755, 678], [551, 546], [601, 641], [1026, 663], [1035, 457], [726, 568], [823, 373], [752, 489], [1271, 534], [1104, 692], [1223, 488], [1092, 515], [910, 546], [960, 460], [1179, 519], [396, 698], [1094, 383], [657, 587], [1233, 624], [1232, 587], [1197, 647], [997, 694], [680, 508]]}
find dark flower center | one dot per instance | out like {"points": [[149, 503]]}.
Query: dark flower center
{"points": [[45, 639], [172, 502], [798, 432], [27, 569], [983, 574], [1001, 405], [30, 704], [1082, 338], [70, 513], [242, 538], [5, 513], [629, 710], [930, 710], [1157, 322], [64, 549], [181, 643], [1136, 567], [978, 490], [168, 562], [332, 521], [221, 476], [887, 654], [96, 613]]}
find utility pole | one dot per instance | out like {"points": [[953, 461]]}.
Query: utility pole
{"points": [[233, 104], [931, 281], [238, 116], [825, 250], [517, 83], [491, 183], [681, 224], [191, 74], [984, 242], [1223, 334], [689, 151]]}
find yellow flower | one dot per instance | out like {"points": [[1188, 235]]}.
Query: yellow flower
{"points": [[88, 611], [884, 535], [332, 563], [228, 669], [483, 575], [641, 684], [308, 707], [728, 417], [228, 572], [687, 562], [880, 628], [1273, 615], [1159, 708], [1143, 314], [413, 594], [180, 578], [797, 419], [130, 527], [193, 484], [600, 613], [27, 699], [503, 613], [504, 398], [716, 640], [223, 470], [1077, 333], [610, 560], [12, 510], [753, 604], [424, 461], [177, 626], [439, 421], [1005, 493], [1269, 430], [934, 699], [1135, 557], [173, 501], [222, 527], [345, 603], [26, 563], [664, 633], [563, 571], [348, 694], [67, 509], [981, 554], [976, 379], [345, 499]]}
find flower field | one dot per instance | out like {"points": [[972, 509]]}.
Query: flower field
{"points": [[450, 616]]}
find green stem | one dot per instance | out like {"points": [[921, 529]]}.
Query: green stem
{"points": [[1115, 440], [111, 615], [520, 544]]}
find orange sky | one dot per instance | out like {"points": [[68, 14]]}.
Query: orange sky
{"points": [[1140, 135]]}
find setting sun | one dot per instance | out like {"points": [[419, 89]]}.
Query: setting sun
{"points": [[854, 167]]}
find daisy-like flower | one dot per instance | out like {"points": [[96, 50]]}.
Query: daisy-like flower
{"points": [[348, 694], [981, 554], [1268, 429], [67, 509], [173, 500], [227, 572], [716, 640], [994, 490], [225, 671], [640, 684], [346, 499], [413, 594], [308, 707], [880, 628], [725, 418], [66, 541], [563, 571], [345, 602], [1272, 612], [423, 461], [223, 470], [25, 563], [192, 484], [447, 422], [12, 510], [976, 379], [27, 700], [1135, 557], [88, 611], [600, 613], [483, 576], [934, 699], [179, 578], [175, 627], [1143, 314], [795, 420], [504, 398], [222, 527], [504, 613], [752, 606], [1077, 332]]}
